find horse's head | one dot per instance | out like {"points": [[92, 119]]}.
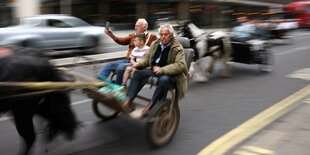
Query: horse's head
{"points": [[183, 29], [197, 39], [202, 41], [209, 42]]}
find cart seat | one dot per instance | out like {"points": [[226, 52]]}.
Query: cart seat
{"points": [[189, 52]]}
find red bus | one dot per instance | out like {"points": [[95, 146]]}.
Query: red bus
{"points": [[300, 11]]}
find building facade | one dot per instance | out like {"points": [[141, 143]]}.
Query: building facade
{"points": [[123, 13]]}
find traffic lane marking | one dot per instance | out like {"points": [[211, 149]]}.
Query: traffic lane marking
{"points": [[246, 149], [303, 74], [240, 152], [255, 124]]}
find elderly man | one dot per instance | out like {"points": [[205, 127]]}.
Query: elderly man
{"points": [[120, 65], [165, 60]]}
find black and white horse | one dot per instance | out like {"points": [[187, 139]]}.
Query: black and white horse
{"points": [[54, 106], [213, 45]]}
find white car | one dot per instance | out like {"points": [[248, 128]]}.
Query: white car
{"points": [[52, 32]]}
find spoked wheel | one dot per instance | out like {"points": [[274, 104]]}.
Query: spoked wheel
{"points": [[162, 129], [103, 112], [268, 62]]}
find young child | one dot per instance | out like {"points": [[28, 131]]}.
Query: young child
{"points": [[136, 55]]}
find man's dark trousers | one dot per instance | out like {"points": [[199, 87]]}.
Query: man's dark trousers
{"points": [[140, 78]]}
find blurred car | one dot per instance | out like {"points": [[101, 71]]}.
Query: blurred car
{"points": [[52, 32]]}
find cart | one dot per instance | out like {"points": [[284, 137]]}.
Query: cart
{"points": [[161, 122], [253, 52]]}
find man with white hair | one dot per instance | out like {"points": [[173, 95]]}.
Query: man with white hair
{"points": [[120, 65], [164, 60]]}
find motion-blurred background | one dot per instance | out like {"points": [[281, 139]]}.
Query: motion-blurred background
{"points": [[123, 13]]}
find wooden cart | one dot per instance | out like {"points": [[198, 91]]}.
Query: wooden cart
{"points": [[161, 123]]}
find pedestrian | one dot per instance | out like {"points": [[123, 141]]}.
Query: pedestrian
{"points": [[120, 65]]}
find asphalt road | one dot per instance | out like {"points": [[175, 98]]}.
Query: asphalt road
{"points": [[208, 111]]}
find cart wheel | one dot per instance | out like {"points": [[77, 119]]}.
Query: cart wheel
{"points": [[161, 131], [103, 112], [268, 62]]}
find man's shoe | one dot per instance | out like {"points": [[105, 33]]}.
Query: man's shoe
{"points": [[128, 105], [147, 109]]}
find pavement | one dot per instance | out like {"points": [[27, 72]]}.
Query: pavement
{"points": [[289, 135], [283, 129]]}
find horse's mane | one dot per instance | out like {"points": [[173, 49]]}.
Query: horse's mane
{"points": [[195, 30]]}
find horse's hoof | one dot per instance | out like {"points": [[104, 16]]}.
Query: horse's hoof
{"points": [[223, 75], [190, 76], [201, 79], [226, 72]]}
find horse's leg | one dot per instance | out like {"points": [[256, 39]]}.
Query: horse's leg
{"points": [[23, 115], [191, 70], [226, 56], [226, 71], [198, 74], [56, 109], [210, 65], [201, 46]]}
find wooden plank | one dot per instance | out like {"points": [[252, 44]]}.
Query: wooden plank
{"points": [[8, 86], [90, 59], [108, 100]]}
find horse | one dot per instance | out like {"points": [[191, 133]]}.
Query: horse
{"points": [[213, 45], [20, 66]]}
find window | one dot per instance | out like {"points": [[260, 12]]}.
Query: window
{"points": [[57, 23]]}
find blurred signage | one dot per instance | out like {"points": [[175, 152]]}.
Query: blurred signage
{"points": [[2, 3], [7, 3], [81, 1], [201, 0], [279, 9], [255, 13], [249, 2], [157, 0]]}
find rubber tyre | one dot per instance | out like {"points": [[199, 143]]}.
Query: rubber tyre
{"points": [[161, 131], [103, 112]]}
